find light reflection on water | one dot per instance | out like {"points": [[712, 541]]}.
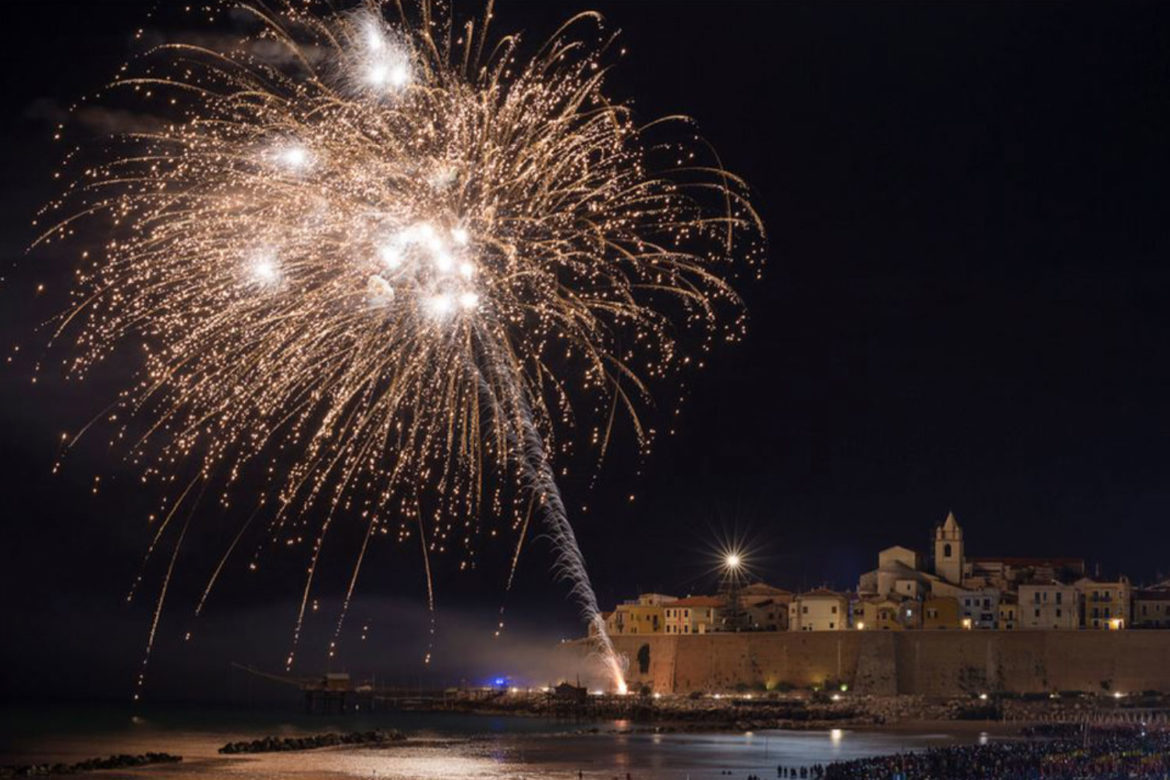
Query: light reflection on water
{"points": [[455, 747]]}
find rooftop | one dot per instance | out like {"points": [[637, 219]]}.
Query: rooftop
{"points": [[1021, 563], [762, 589], [698, 601], [822, 592]]}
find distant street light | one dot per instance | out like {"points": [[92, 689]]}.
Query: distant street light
{"points": [[733, 575]]}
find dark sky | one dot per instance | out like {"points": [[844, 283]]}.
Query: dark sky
{"points": [[964, 308]]}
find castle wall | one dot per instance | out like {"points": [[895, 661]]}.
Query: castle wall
{"points": [[933, 663]]}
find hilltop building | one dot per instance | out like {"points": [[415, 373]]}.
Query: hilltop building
{"points": [[643, 615], [818, 610], [1006, 573], [1009, 612], [764, 607], [693, 615], [978, 608], [941, 612], [1151, 606], [986, 591], [883, 613], [948, 550], [1104, 605], [950, 590], [1049, 605]]}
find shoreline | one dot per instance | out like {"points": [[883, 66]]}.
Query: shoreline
{"points": [[800, 712], [505, 748], [514, 741]]}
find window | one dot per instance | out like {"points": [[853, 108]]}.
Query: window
{"points": [[804, 610], [831, 626], [1037, 613], [1058, 596], [1058, 611], [947, 550], [1095, 612], [833, 610], [1037, 595], [987, 603]]}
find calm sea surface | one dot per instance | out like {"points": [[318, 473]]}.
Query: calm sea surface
{"points": [[442, 745]]}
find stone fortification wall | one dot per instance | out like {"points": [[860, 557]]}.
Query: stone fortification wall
{"points": [[929, 663]]}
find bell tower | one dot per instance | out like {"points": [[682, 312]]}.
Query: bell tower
{"points": [[948, 550]]}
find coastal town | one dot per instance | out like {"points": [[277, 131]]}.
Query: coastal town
{"points": [[947, 590]]}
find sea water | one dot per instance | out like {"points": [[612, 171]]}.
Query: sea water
{"points": [[441, 745]]}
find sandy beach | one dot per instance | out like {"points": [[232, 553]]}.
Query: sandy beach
{"points": [[478, 746]]}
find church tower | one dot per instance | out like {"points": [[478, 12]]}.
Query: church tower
{"points": [[948, 550]]}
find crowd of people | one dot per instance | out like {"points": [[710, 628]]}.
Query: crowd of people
{"points": [[1075, 755]]}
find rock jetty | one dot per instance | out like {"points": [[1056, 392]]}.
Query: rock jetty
{"points": [[273, 744], [120, 761]]}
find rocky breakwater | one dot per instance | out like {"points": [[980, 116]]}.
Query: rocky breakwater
{"points": [[273, 744], [816, 711], [750, 711], [121, 761], [754, 714], [686, 713]]}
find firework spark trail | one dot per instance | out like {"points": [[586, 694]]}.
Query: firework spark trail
{"points": [[357, 568], [343, 225], [537, 474], [521, 536], [570, 563]]}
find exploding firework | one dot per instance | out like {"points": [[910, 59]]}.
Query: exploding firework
{"points": [[381, 258]]}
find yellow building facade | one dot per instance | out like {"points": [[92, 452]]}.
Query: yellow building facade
{"points": [[878, 614], [693, 615], [1104, 605], [1008, 613], [941, 613], [639, 618]]}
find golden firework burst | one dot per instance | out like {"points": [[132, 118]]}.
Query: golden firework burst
{"points": [[383, 257]]}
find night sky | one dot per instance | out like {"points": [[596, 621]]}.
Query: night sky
{"points": [[964, 308]]}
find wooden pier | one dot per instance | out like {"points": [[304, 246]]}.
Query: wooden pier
{"points": [[337, 693]]}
